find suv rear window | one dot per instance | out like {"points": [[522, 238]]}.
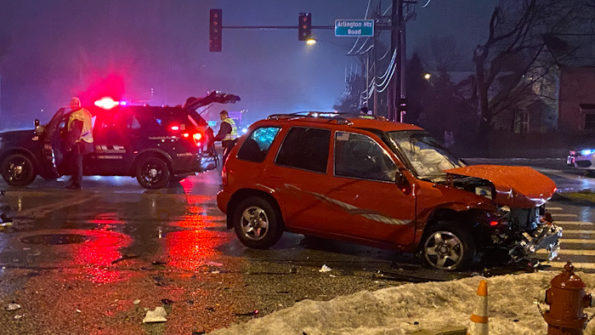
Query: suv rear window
{"points": [[305, 148], [257, 145]]}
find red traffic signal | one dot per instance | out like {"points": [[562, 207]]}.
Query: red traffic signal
{"points": [[304, 26], [215, 30]]}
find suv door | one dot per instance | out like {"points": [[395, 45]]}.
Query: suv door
{"points": [[53, 146], [111, 141], [368, 203], [299, 175]]}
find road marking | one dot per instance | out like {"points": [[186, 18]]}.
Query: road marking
{"points": [[42, 211], [577, 241], [572, 223], [570, 252], [577, 266], [554, 208], [566, 215]]}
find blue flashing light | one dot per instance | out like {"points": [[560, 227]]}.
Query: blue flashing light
{"points": [[587, 152]]}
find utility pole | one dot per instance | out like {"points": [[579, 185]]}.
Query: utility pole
{"points": [[375, 59], [401, 63], [394, 42]]}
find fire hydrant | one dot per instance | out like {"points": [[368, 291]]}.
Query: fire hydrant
{"points": [[567, 298]]}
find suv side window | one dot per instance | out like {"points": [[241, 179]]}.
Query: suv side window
{"points": [[305, 148], [359, 156], [257, 145]]}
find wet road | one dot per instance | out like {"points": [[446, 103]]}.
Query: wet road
{"points": [[93, 261], [78, 261]]}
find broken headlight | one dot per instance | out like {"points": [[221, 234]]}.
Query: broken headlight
{"points": [[484, 191]]}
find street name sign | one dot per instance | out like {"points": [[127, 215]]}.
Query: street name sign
{"points": [[353, 27]]}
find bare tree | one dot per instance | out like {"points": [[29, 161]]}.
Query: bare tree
{"points": [[523, 47]]}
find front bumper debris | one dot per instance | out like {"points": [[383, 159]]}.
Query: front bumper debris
{"points": [[546, 236]]}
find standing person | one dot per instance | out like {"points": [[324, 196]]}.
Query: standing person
{"points": [[228, 133], [79, 140]]}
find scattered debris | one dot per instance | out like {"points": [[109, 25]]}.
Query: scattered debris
{"points": [[13, 307], [293, 270], [156, 315], [217, 264], [210, 309], [325, 268], [124, 257], [216, 271], [136, 302], [167, 301], [18, 316], [158, 262], [202, 332], [78, 310], [253, 313], [332, 276]]}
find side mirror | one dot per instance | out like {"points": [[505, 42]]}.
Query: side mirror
{"points": [[36, 122], [402, 182]]}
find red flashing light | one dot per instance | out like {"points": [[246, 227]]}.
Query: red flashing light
{"points": [[197, 137], [186, 135], [106, 103], [175, 128], [494, 223]]}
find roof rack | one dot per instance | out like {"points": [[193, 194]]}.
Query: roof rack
{"points": [[340, 118]]}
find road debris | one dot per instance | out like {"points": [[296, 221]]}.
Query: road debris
{"points": [[325, 268], [156, 315], [253, 313], [13, 307], [136, 302]]}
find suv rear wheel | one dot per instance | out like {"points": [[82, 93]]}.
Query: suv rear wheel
{"points": [[152, 172], [257, 223], [17, 169], [448, 247]]}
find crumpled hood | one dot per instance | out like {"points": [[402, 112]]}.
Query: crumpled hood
{"points": [[515, 186]]}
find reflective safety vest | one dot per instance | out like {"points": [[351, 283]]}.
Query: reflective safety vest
{"points": [[85, 117], [234, 130]]}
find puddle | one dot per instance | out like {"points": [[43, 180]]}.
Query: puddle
{"points": [[54, 239]]}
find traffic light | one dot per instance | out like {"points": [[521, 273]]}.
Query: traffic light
{"points": [[215, 23], [304, 26]]}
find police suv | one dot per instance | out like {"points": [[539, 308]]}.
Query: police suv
{"points": [[154, 144]]}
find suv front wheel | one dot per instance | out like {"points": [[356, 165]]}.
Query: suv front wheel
{"points": [[17, 170], [448, 247], [152, 172], [257, 223]]}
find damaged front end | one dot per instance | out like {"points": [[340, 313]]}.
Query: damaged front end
{"points": [[528, 231], [521, 226]]}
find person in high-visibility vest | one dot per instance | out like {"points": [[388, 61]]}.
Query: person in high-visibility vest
{"points": [[228, 133], [79, 140]]}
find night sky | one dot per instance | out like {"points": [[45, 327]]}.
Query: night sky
{"points": [[156, 51]]}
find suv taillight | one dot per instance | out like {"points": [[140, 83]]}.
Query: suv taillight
{"points": [[197, 137]]}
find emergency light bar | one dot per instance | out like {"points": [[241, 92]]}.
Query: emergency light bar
{"points": [[107, 103]]}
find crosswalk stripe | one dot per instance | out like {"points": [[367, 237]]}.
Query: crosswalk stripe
{"points": [[566, 215], [570, 252], [567, 223], [577, 241], [554, 208], [577, 266]]}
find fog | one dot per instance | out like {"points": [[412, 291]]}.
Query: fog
{"points": [[156, 52]]}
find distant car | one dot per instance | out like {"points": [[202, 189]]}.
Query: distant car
{"points": [[583, 159], [154, 144], [381, 183]]}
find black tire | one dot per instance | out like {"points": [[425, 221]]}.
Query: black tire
{"points": [[448, 247], [152, 172], [257, 211], [18, 170]]}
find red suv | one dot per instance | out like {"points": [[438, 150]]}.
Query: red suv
{"points": [[385, 184]]}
